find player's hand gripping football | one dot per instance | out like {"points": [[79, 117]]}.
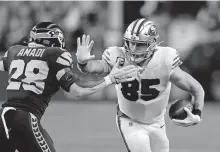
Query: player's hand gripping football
{"points": [[190, 120], [124, 74], [83, 49]]}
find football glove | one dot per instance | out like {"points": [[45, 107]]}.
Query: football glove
{"points": [[124, 74], [83, 49], [190, 120]]}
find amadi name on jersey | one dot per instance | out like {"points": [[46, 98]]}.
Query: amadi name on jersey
{"points": [[35, 75]]}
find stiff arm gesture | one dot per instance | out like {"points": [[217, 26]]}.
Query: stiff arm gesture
{"points": [[83, 49]]}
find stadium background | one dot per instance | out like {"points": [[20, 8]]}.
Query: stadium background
{"points": [[88, 124]]}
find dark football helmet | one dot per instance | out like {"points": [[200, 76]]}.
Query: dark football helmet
{"points": [[47, 34]]}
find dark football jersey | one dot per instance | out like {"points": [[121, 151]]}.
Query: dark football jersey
{"points": [[35, 75]]}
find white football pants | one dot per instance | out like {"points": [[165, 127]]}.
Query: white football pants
{"points": [[140, 137]]}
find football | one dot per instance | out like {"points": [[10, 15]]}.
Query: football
{"points": [[177, 111]]}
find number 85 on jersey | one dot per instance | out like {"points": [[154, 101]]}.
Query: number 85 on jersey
{"points": [[132, 90]]}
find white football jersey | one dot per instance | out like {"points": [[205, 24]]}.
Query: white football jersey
{"points": [[145, 99]]}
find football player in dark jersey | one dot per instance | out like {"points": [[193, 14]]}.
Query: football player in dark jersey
{"points": [[36, 73]]}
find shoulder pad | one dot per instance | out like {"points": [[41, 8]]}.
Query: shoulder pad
{"points": [[61, 56], [14, 47], [172, 57], [111, 55], [65, 58]]}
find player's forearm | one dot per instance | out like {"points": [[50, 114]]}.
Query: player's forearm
{"points": [[85, 88], [198, 93], [92, 67], [192, 86]]}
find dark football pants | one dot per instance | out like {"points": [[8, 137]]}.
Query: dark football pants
{"points": [[25, 133]]}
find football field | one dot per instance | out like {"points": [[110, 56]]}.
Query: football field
{"points": [[90, 127]]}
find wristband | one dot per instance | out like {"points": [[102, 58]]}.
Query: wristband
{"points": [[82, 65], [197, 112], [107, 80]]}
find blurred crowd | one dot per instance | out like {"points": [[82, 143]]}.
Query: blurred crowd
{"points": [[191, 27], [75, 18]]}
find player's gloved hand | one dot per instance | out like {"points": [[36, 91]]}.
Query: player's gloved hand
{"points": [[83, 49], [124, 74], [190, 120]]}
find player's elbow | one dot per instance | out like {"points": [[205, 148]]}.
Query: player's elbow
{"points": [[200, 90]]}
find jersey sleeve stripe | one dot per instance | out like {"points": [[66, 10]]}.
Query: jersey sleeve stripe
{"points": [[63, 61], [2, 65], [67, 56], [6, 54], [107, 53], [3, 62], [107, 67], [177, 63], [177, 57], [106, 57], [61, 73]]}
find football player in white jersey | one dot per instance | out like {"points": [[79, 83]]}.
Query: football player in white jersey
{"points": [[142, 102]]}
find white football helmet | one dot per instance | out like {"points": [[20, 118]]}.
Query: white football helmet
{"points": [[140, 40]]}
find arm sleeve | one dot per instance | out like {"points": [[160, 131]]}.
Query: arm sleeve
{"points": [[174, 59], [98, 67], [111, 56], [4, 62], [64, 71]]}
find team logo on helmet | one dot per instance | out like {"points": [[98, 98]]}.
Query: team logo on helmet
{"points": [[152, 30]]}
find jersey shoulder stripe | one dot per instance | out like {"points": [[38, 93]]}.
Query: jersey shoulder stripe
{"points": [[106, 56], [62, 61], [65, 59], [2, 65], [67, 56], [3, 62], [177, 63], [111, 54], [176, 60], [61, 73], [171, 56]]}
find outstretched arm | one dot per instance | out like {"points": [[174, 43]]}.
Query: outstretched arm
{"points": [[186, 82], [84, 88], [80, 88], [94, 67]]}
